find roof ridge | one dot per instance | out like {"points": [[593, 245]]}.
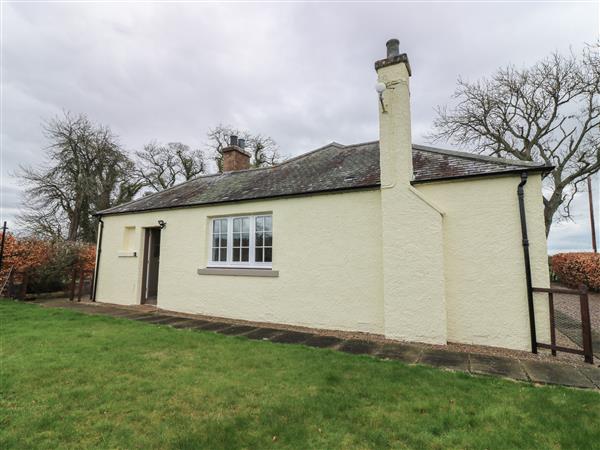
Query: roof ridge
{"points": [[477, 157], [363, 143], [295, 158]]}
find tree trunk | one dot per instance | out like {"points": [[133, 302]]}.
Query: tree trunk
{"points": [[551, 205], [73, 227]]}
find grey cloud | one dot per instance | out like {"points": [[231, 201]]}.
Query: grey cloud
{"points": [[302, 73]]}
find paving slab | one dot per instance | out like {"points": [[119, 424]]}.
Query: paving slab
{"points": [[73, 306], [358, 347], [153, 318], [498, 366], [236, 330], [142, 317], [213, 326], [263, 333], [552, 373], [291, 337], [168, 321], [126, 314], [402, 352], [90, 309], [130, 316], [135, 316], [189, 323], [593, 373], [323, 341], [445, 359]]}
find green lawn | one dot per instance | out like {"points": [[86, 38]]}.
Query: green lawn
{"points": [[74, 381]]}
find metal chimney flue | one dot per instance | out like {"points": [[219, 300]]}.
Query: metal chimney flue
{"points": [[242, 143], [233, 140]]}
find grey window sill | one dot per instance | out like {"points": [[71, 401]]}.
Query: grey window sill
{"points": [[124, 254], [239, 272]]}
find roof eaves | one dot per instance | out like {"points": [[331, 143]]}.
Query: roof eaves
{"points": [[198, 204], [477, 157], [145, 197], [543, 169]]}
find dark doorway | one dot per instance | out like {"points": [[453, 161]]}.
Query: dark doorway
{"points": [[151, 261]]}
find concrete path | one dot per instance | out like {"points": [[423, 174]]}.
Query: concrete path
{"points": [[546, 372]]}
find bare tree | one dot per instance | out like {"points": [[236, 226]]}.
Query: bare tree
{"points": [[263, 149], [85, 170], [549, 113], [163, 166]]}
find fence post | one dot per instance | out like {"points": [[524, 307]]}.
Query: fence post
{"points": [[586, 328], [72, 285], [80, 285], [552, 323], [23, 289]]}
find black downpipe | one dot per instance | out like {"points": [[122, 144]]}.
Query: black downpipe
{"points": [[98, 252], [521, 194]]}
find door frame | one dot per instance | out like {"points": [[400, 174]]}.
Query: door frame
{"points": [[146, 253]]}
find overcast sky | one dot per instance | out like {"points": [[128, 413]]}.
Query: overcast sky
{"points": [[301, 73]]}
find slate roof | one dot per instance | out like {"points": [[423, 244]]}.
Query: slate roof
{"points": [[334, 167]]}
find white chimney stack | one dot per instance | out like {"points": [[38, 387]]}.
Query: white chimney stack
{"points": [[395, 145]]}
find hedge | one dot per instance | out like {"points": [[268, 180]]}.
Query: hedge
{"points": [[573, 269], [48, 263]]}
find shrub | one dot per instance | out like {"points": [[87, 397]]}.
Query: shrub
{"points": [[573, 269], [49, 264]]}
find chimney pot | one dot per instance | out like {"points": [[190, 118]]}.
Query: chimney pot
{"points": [[234, 155], [393, 48]]}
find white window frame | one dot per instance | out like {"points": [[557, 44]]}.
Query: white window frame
{"points": [[251, 263]]}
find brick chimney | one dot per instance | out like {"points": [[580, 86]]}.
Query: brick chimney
{"points": [[234, 156]]}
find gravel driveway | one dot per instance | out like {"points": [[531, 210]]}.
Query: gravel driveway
{"points": [[568, 319]]}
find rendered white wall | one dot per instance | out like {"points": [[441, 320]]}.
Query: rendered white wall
{"points": [[327, 249], [486, 293]]}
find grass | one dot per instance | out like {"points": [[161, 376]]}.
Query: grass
{"points": [[74, 381]]}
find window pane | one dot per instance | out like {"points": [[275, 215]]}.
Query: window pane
{"points": [[239, 249]]}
